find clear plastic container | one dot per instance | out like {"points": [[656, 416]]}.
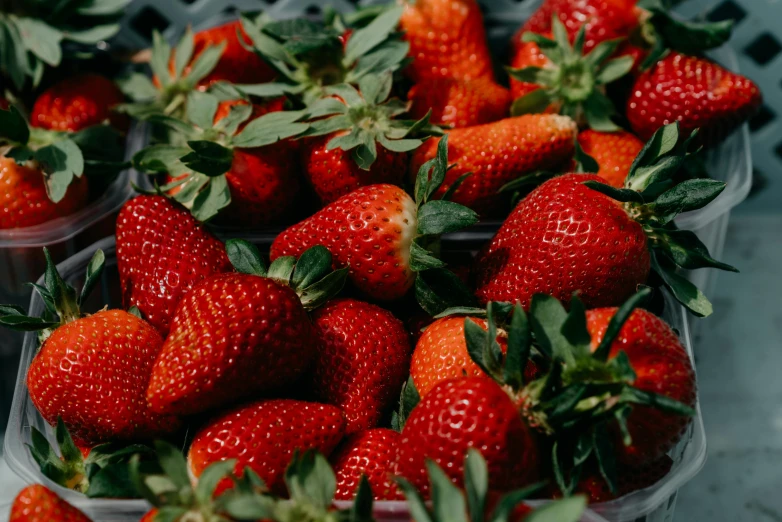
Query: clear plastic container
{"points": [[653, 504]]}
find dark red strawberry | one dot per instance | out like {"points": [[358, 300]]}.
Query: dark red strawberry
{"points": [[37, 503], [459, 103], [614, 153], [79, 102], [370, 453]]}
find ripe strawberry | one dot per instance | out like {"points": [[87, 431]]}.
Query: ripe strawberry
{"points": [[497, 153], [150, 515], [694, 91], [613, 151], [37, 503], [527, 54], [447, 40], [459, 103], [24, 201], [361, 361], [370, 453], [162, 252], [81, 372], [373, 231], [79, 102], [568, 236], [264, 435]]}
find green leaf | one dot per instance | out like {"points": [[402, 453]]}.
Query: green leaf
{"points": [[215, 196], [510, 501], [350, 96], [622, 195], [91, 35], [14, 53], [112, 481], [564, 510], [245, 257], [210, 477], [415, 502], [13, 126], [601, 52], [438, 289], [60, 162], [408, 399], [447, 500], [688, 195], [161, 52], [63, 296], [403, 145], [173, 463], [237, 115], [133, 310], [604, 451], [531, 103], [324, 289], [439, 168], [313, 264], [201, 109], [26, 324], [137, 86], [389, 56], [477, 340], [42, 39], [281, 269], [536, 75], [208, 157], [366, 153], [183, 52], [158, 158], [614, 69], [662, 142], [365, 39], [548, 316], [94, 271], [598, 110], [690, 37], [655, 400], [175, 124], [310, 479], [422, 259], [476, 483], [270, 128], [519, 344], [618, 320], [584, 162], [361, 509], [205, 63], [684, 291], [375, 88], [686, 250], [441, 217], [574, 329]]}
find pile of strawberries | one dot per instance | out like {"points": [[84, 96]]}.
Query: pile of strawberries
{"points": [[358, 355]]}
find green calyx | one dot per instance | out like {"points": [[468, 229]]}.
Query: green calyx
{"points": [[104, 473], [366, 118], [653, 196], [572, 81], [61, 156], [62, 304], [408, 399], [33, 33], [451, 504], [310, 57], [311, 275], [582, 390]]}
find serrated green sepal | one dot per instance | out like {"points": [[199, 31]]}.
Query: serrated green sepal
{"points": [[408, 399]]}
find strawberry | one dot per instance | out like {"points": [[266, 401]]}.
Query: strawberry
{"points": [[243, 333], [571, 235], [362, 143], [527, 54], [24, 201], [150, 516], [369, 453], [447, 40], [362, 360], [37, 503], [264, 436], [694, 91], [614, 153], [162, 252], [460, 414], [459, 103], [497, 153], [81, 371], [373, 231], [79, 102]]}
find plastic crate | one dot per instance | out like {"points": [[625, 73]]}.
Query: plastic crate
{"points": [[653, 504]]}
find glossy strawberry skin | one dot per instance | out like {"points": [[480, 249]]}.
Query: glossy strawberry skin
{"points": [[79, 102], [23, 198], [162, 251], [370, 231], [232, 336], [697, 93], [526, 54], [662, 366], [371, 453], [459, 414], [613, 151], [447, 40], [497, 153], [361, 362], [37, 503], [93, 373], [562, 238], [264, 436], [459, 103], [334, 173]]}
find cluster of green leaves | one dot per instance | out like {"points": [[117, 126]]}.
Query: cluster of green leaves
{"points": [[654, 196], [310, 56], [573, 81], [32, 33]]}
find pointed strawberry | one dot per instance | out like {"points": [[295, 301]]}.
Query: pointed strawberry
{"points": [[496, 154], [81, 371], [614, 153], [588, 237], [459, 103], [244, 333], [162, 252], [381, 234], [370, 453], [37, 503], [362, 360]]}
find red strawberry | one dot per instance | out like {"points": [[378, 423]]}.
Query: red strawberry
{"points": [[459, 103], [568, 236], [162, 252], [37, 503], [527, 54], [447, 40], [79, 102], [662, 366], [362, 360], [24, 201], [613, 151], [149, 516], [371, 453], [372, 231], [694, 91], [497, 153], [264, 435], [468, 413]]}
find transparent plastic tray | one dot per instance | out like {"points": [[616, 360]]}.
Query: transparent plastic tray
{"points": [[651, 504]]}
